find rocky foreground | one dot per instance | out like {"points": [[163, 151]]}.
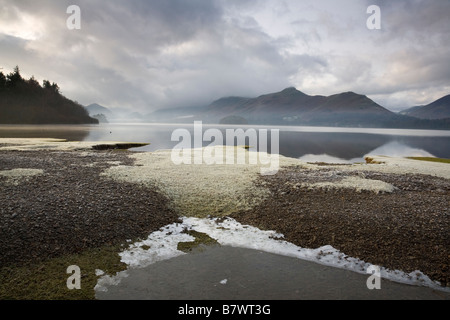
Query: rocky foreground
{"points": [[69, 207], [407, 229], [60, 202]]}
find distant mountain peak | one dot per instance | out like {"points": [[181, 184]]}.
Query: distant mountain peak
{"points": [[96, 108], [293, 107], [439, 109], [351, 93], [292, 90], [444, 99]]}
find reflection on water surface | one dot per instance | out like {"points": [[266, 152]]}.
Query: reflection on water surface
{"points": [[312, 144]]}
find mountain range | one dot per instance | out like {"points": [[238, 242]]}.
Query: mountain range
{"points": [[25, 101], [104, 114], [439, 109], [293, 107]]}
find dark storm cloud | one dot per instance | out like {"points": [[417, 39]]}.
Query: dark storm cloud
{"points": [[420, 16], [145, 54], [414, 47], [147, 25], [115, 44]]}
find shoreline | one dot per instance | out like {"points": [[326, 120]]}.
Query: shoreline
{"points": [[68, 208], [407, 229], [58, 204]]}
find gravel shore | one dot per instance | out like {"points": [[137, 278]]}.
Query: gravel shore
{"points": [[70, 207], [66, 204], [407, 229]]}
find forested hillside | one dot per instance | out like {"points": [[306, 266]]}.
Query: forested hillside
{"points": [[25, 101]]}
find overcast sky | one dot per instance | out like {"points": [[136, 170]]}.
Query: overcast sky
{"points": [[149, 54]]}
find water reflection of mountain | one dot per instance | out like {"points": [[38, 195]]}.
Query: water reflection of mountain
{"points": [[343, 145], [437, 146], [296, 144], [348, 146], [335, 144]]}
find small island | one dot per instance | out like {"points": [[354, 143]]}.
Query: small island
{"points": [[25, 101]]}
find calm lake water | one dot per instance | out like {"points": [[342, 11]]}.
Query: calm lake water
{"points": [[327, 144]]}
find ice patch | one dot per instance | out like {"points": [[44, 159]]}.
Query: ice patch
{"points": [[159, 245], [107, 280], [162, 244], [99, 272]]}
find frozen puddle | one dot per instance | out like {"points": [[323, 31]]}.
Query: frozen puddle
{"points": [[250, 264]]}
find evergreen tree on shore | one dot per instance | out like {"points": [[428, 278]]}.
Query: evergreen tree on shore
{"points": [[25, 101]]}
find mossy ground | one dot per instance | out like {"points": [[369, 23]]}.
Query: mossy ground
{"points": [[48, 280], [431, 159], [200, 239]]}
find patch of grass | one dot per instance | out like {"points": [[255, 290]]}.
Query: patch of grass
{"points": [[48, 280], [200, 239], [442, 160]]}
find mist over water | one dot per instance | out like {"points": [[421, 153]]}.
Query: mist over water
{"points": [[311, 144], [392, 149]]}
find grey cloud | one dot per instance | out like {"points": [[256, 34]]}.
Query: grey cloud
{"points": [[414, 20], [151, 23], [150, 54]]}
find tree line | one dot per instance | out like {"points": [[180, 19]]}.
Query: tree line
{"points": [[25, 101]]}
